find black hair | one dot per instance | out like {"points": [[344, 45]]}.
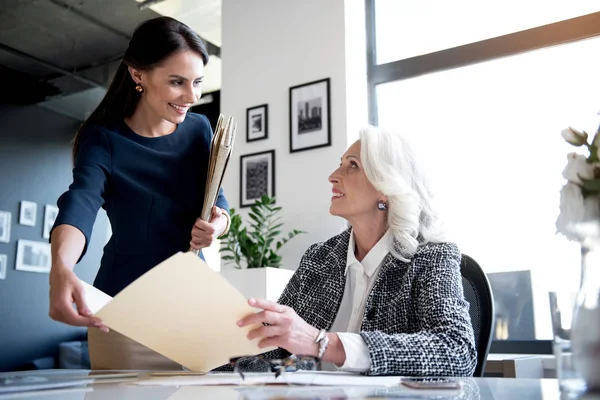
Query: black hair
{"points": [[152, 42]]}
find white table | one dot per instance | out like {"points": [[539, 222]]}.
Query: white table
{"points": [[473, 388]]}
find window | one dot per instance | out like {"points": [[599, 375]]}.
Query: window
{"points": [[490, 136], [410, 28], [487, 129]]}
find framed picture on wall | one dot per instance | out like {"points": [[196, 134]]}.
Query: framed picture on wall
{"points": [[310, 117], [257, 123], [28, 213], [3, 262], [33, 256], [5, 218], [50, 214], [257, 177]]}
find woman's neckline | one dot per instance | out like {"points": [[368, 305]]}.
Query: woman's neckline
{"points": [[150, 138]]}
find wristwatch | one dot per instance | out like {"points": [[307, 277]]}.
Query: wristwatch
{"points": [[323, 340]]}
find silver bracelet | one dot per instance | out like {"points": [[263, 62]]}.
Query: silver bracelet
{"points": [[323, 341]]}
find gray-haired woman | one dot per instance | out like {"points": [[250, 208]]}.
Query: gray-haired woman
{"points": [[384, 297]]}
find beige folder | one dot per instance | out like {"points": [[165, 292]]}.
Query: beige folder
{"points": [[220, 151], [183, 310]]}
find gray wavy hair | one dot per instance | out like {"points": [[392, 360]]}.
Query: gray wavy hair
{"points": [[391, 167]]}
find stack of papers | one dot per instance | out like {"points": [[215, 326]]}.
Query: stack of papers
{"points": [[220, 150], [319, 384], [316, 378], [181, 309]]}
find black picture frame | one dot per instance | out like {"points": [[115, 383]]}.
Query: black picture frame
{"points": [[257, 176], [310, 115], [257, 123]]}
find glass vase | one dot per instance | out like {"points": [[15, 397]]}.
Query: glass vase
{"points": [[585, 333]]}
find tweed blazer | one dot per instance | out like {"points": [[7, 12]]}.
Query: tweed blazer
{"points": [[416, 320]]}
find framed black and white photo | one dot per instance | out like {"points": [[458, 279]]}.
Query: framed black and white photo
{"points": [[3, 262], [50, 214], [257, 177], [257, 123], [28, 212], [310, 117], [5, 218], [33, 256]]}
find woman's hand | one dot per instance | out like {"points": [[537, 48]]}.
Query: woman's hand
{"points": [[66, 289], [286, 329], [204, 233]]}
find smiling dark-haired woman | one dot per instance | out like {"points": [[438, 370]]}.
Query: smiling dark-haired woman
{"points": [[142, 156]]}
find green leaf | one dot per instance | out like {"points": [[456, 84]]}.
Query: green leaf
{"points": [[591, 186], [593, 157], [256, 218], [596, 139], [273, 234]]}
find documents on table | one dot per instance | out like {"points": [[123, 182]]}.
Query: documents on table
{"points": [[350, 382], [296, 378], [181, 309]]}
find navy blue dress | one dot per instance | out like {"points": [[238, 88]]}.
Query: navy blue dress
{"points": [[151, 188]]}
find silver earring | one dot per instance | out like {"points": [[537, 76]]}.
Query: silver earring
{"points": [[381, 206]]}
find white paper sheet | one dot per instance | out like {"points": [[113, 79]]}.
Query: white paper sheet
{"points": [[321, 378], [95, 298], [303, 384]]}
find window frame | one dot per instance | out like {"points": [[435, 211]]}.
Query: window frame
{"points": [[561, 32]]}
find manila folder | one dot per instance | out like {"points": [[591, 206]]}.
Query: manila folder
{"points": [[185, 311]]}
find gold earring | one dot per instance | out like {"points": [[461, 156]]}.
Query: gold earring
{"points": [[139, 88]]}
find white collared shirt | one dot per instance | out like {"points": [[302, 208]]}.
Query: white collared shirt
{"points": [[360, 278]]}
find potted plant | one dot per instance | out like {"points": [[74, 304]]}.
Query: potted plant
{"points": [[253, 251]]}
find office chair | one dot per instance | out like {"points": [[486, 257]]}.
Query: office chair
{"points": [[478, 293]]}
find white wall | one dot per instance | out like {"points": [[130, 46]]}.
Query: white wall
{"points": [[269, 46]]}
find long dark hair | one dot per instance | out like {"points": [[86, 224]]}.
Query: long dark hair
{"points": [[152, 42]]}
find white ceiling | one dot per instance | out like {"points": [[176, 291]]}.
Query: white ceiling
{"points": [[204, 17]]}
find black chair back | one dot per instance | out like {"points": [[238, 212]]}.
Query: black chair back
{"points": [[478, 293]]}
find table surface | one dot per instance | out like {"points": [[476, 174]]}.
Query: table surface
{"points": [[126, 388]]}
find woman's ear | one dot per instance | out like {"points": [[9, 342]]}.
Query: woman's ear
{"points": [[135, 75]]}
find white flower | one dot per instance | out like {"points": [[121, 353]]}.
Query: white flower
{"points": [[578, 168], [572, 210], [574, 137]]}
